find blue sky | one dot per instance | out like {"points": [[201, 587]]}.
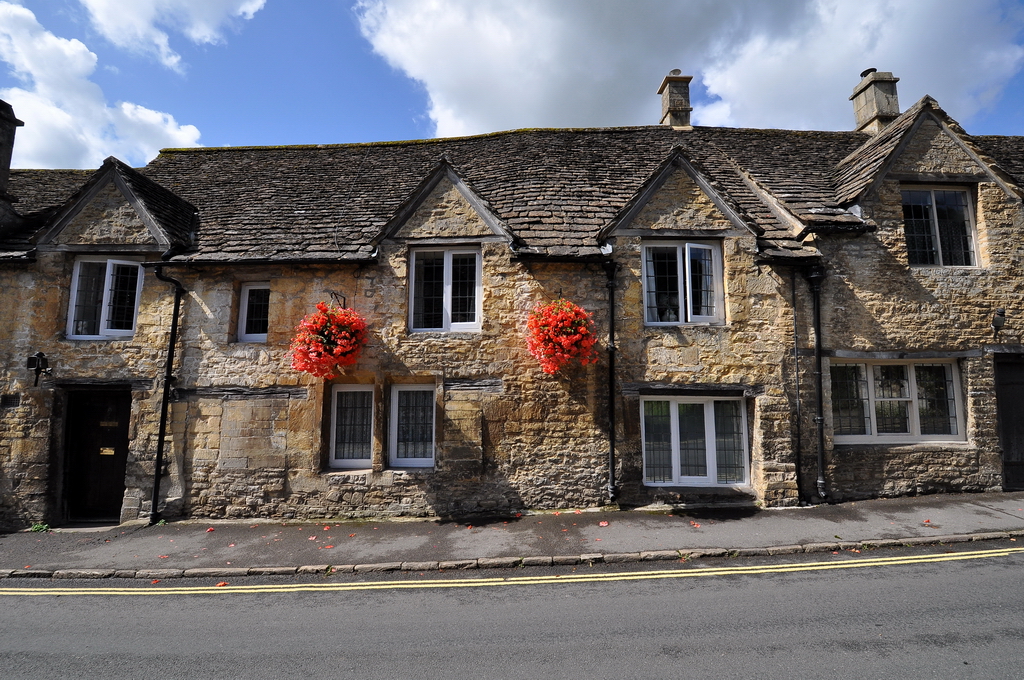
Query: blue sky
{"points": [[93, 78]]}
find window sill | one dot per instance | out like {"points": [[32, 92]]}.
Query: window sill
{"points": [[99, 338], [916, 445], [447, 335], [693, 487]]}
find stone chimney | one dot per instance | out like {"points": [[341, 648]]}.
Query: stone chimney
{"points": [[675, 99], [8, 125], [875, 103]]}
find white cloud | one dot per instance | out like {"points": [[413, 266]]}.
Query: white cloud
{"points": [[68, 122], [135, 25], [490, 65]]}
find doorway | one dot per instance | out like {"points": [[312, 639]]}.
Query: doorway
{"points": [[1010, 407], [96, 446]]}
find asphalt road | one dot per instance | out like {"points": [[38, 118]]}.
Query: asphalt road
{"points": [[732, 618]]}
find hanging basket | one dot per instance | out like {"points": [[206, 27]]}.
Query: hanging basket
{"points": [[558, 333], [329, 337]]}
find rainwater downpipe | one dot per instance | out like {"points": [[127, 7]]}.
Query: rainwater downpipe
{"points": [[179, 291], [610, 267], [799, 436], [815, 275]]}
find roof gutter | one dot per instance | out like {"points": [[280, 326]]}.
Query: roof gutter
{"points": [[260, 262]]}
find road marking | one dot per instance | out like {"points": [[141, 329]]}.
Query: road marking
{"points": [[518, 580]]}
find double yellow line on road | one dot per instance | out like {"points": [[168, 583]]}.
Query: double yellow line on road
{"points": [[514, 580]]}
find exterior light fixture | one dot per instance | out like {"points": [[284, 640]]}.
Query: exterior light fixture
{"points": [[998, 321], [40, 364]]}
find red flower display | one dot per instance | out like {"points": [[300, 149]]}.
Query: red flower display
{"points": [[328, 338], [559, 332]]}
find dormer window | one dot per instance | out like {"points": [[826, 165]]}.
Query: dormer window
{"points": [[939, 227], [104, 298], [445, 292], [683, 284]]}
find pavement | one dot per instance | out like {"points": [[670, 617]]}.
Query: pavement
{"points": [[234, 548]]}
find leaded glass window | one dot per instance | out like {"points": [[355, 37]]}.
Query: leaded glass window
{"points": [[694, 442]]}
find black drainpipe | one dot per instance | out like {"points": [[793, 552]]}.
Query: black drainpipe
{"points": [[799, 445], [610, 267], [179, 291], [815, 275]]}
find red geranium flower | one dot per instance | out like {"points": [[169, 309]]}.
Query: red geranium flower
{"points": [[329, 337], [559, 332]]}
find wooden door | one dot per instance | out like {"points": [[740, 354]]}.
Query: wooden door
{"points": [[97, 453], [1010, 404]]}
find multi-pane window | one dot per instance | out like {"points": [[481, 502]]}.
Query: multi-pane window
{"points": [[938, 227], [254, 312], [445, 291], [891, 402], [697, 442], [104, 298], [352, 426], [682, 283], [412, 426]]}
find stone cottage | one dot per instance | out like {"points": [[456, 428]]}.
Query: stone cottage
{"points": [[783, 317]]}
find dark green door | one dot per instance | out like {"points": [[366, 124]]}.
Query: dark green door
{"points": [[1010, 404], [97, 453]]}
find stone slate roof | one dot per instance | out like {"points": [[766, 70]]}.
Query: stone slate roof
{"points": [[1006, 152], [175, 216], [554, 189]]}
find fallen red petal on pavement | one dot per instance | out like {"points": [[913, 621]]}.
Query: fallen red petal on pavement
{"points": [[834, 552], [602, 524], [351, 535], [312, 538], [578, 512], [209, 530], [222, 583], [328, 546], [156, 580], [164, 557], [927, 521], [327, 528], [28, 566], [231, 545]]}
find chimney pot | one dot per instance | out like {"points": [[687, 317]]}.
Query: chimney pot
{"points": [[875, 102], [675, 99]]}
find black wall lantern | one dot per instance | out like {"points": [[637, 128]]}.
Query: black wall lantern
{"points": [[40, 364], [998, 321]]}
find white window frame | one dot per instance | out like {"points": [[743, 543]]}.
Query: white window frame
{"points": [[683, 249], [351, 463], [105, 333], [874, 437], [243, 312], [447, 324], [393, 459], [934, 224], [711, 478]]}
